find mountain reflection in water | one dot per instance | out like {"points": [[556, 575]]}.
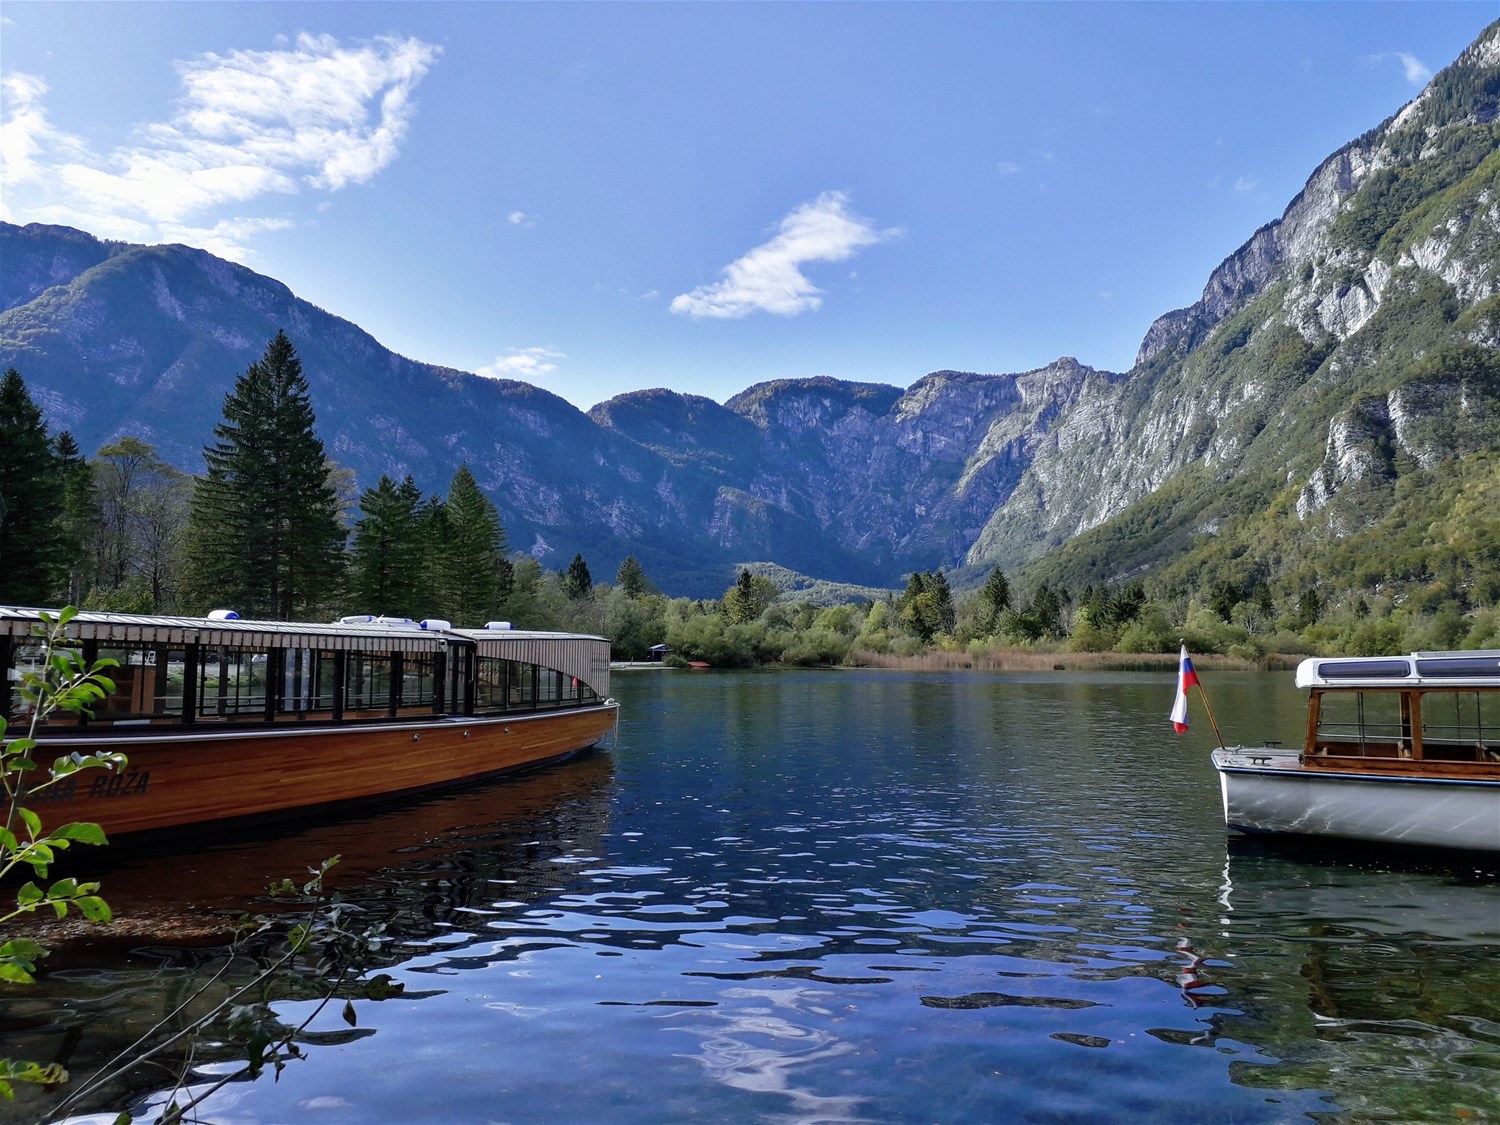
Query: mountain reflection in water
{"points": [[864, 896]]}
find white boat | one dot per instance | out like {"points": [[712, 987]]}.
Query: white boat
{"points": [[1400, 750]]}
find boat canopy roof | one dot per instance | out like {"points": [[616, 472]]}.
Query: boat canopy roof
{"points": [[583, 657], [575, 654], [1419, 670], [373, 635]]}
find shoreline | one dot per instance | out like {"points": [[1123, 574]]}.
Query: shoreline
{"points": [[1024, 660]]}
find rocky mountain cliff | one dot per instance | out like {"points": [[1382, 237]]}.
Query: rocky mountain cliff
{"points": [[1297, 382]]}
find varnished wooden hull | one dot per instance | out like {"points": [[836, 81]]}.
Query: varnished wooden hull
{"points": [[180, 779]]}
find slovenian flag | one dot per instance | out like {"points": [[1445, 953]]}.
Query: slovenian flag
{"points": [[1187, 676]]}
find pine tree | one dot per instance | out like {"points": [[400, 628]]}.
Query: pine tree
{"points": [[945, 616], [631, 578], [578, 582], [387, 560], [994, 600], [79, 517], [472, 576], [748, 598], [265, 536], [31, 497]]}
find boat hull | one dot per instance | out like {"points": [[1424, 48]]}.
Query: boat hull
{"points": [[192, 778], [1269, 791]]}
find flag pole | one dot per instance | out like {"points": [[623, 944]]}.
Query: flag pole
{"points": [[1211, 720]]}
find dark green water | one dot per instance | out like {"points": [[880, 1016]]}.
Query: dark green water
{"points": [[858, 897]]}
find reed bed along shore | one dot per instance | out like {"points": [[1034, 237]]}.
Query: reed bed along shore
{"points": [[1032, 660]]}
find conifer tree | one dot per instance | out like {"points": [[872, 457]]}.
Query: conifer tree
{"points": [[578, 582], [31, 496], [78, 518], [471, 575], [748, 598], [265, 537], [945, 616], [631, 579], [994, 600], [387, 561]]}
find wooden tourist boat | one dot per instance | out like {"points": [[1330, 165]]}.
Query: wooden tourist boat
{"points": [[1401, 750], [224, 720]]}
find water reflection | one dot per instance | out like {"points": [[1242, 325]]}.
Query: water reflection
{"points": [[419, 868], [1379, 981], [886, 898]]}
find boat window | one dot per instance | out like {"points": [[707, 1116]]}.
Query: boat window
{"points": [[1468, 720], [26, 656], [548, 687], [489, 684], [231, 683], [418, 679], [522, 684], [367, 682], [514, 685], [324, 680], [148, 683], [1362, 722]]}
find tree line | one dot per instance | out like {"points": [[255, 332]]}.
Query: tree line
{"points": [[265, 530], [274, 529]]}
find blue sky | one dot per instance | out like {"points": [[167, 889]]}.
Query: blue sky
{"points": [[598, 198]]}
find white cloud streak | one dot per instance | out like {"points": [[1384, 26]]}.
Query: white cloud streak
{"points": [[318, 115], [1411, 66], [528, 364], [770, 279]]}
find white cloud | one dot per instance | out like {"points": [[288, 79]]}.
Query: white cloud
{"points": [[528, 364], [1007, 167], [1411, 66], [317, 115], [1246, 184], [520, 219], [770, 279]]}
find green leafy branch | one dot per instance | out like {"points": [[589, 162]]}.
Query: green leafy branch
{"points": [[64, 684], [324, 947]]}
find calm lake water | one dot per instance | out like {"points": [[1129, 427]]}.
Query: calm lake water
{"points": [[847, 897]]}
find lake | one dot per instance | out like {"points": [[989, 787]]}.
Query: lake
{"points": [[841, 896]]}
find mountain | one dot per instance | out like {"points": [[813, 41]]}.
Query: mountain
{"points": [[1335, 381], [1338, 372]]}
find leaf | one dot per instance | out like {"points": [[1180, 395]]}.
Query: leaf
{"points": [[28, 896], [22, 947], [94, 908], [84, 832], [15, 973], [349, 1013], [33, 822]]}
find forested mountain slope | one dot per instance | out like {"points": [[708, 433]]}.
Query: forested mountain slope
{"points": [[1328, 414]]}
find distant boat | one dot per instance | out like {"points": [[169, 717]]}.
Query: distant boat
{"points": [[225, 720], [1400, 750]]}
